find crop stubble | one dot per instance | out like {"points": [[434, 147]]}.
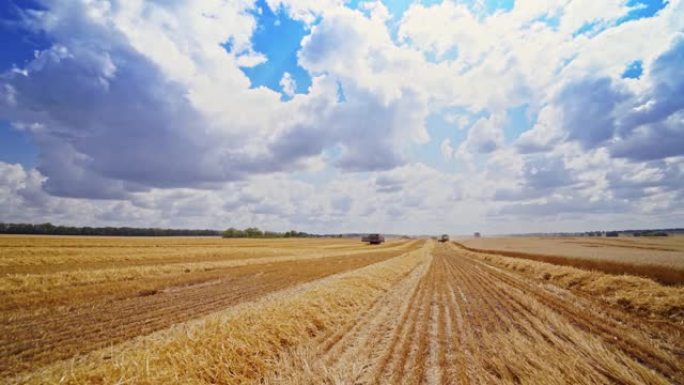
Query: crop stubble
{"points": [[437, 315], [37, 328], [465, 321]]}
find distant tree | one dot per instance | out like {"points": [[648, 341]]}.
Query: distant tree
{"points": [[253, 232], [232, 233], [50, 229]]}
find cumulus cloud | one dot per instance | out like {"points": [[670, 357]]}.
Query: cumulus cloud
{"points": [[152, 102], [587, 108], [545, 134], [645, 125], [484, 137], [447, 149], [274, 202], [142, 115], [288, 84], [564, 205], [654, 128], [109, 119]]}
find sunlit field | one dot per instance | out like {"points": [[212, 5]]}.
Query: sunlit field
{"points": [[101, 310], [269, 192], [659, 258]]}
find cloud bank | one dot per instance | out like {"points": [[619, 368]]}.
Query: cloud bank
{"points": [[143, 113]]}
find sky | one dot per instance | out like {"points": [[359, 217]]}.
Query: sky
{"points": [[329, 116]]}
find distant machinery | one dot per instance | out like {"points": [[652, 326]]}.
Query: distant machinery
{"points": [[477, 235], [444, 238], [373, 239]]}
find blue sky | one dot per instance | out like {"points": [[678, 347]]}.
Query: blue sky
{"points": [[18, 46], [353, 103], [278, 37]]}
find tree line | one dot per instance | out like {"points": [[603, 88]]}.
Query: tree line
{"points": [[50, 229], [254, 232]]}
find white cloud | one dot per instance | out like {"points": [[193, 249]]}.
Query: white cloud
{"points": [[288, 84], [306, 10], [484, 137], [443, 26], [157, 76], [545, 134], [447, 149], [142, 105]]}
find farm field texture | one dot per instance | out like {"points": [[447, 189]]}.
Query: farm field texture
{"points": [[63, 296], [660, 258], [664, 251], [325, 311], [266, 192]]}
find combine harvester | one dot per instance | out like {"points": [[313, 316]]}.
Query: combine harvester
{"points": [[373, 239], [444, 238]]}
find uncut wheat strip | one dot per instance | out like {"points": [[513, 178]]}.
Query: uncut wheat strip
{"points": [[367, 342], [330, 344], [237, 346], [376, 340]]}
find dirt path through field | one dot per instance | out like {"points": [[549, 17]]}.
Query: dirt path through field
{"points": [[31, 338], [463, 321]]}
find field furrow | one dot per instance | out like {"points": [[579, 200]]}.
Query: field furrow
{"points": [[418, 314], [612, 331], [467, 322], [37, 338]]}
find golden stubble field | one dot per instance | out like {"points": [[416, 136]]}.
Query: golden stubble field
{"points": [[323, 311], [659, 258], [663, 251]]}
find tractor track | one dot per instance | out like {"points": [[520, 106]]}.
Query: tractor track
{"points": [[452, 318], [460, 320]]}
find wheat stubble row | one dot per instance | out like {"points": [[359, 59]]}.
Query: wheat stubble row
{"points": [[467, 322], [31, 337], [436, 315]]}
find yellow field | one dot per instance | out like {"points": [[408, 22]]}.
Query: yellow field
{"points": [[664, 251], [660, 258], [323, 311]]}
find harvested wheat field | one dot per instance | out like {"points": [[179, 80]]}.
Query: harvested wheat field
{"points": [[659, 258], [325, 311]]}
